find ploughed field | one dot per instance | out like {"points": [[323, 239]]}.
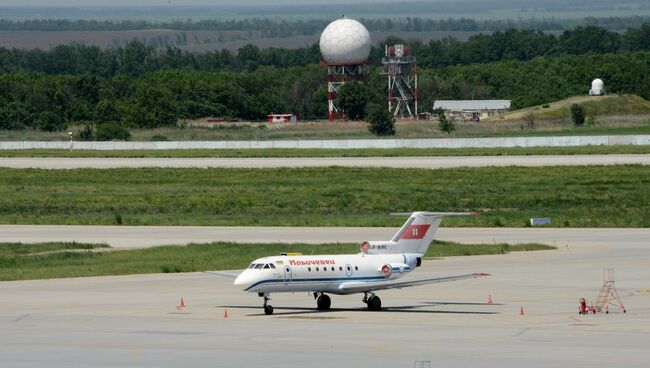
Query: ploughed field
{"points": [[578, 196]]}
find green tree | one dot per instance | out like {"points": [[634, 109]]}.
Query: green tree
{"points": [[50, 122], [578, 114], [107, 112], [14, 115], [446, 125], [352, 98], [582, 40], [380, 121]]}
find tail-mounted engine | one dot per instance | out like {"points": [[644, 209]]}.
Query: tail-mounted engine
{"points": [[394, 269]]}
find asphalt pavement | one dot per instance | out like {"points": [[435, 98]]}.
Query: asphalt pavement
{"points": [[439, 162]]}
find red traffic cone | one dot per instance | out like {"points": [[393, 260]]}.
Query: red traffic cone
{"points": [[225, 313], [521, 311], [490, 299], [181, 306]]}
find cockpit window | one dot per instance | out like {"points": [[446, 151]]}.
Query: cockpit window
{"points": [[259, 266], [266, 266], [252, 265], [271, 264]]}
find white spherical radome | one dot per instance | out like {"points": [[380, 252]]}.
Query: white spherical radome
{"points": [[345, 41], [597, 84]]}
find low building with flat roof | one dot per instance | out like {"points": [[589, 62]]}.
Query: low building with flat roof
{"points": [[472, 109]]}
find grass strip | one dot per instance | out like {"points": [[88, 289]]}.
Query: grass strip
{"points": [[19, 249], [578, 196], [261, 153], [20, 265]]}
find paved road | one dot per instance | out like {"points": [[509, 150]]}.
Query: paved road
{"points": [[399, 162], [131, 321], [147, 236]]}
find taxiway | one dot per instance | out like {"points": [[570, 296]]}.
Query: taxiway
{"points": [[439, 162], [132, 320]]}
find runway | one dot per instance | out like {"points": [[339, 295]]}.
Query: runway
{"points": [[132, 320], [147, 236], [395, 162]]}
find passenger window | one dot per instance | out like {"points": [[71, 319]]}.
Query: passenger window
{"points": [[332, 268], [356, 268], [340, 268], [316, 268], [324, 268], [266, 266], [309, 269]]}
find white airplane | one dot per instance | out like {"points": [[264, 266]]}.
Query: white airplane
{"points": [[380, 265]]}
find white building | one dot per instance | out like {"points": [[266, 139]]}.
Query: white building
{"points": [[472, 109]]}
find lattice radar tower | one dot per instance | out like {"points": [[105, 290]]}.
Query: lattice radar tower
{"points": [[401, 69]]}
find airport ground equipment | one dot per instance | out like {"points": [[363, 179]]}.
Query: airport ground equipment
{"points": [[584, 308], [608, 296]]}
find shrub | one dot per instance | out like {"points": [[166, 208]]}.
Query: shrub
{"points": [[158, 138], [86, 133], [111, 132], [50, 122], [380, 120], [578, 114], [545, 106]]}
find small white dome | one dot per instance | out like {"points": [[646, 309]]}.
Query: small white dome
{"points": [[345, 41], [597, 84]]}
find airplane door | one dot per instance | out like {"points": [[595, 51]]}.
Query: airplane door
{"points": [[288, 275], [348, 270]]}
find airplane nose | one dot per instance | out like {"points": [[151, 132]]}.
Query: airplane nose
{"points": [[241, 280]]}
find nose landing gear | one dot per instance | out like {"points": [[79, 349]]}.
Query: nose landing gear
{"points": [[373, 301], [268, 309]]}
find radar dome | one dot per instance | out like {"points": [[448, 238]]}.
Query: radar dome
{"points": [[597, 84], [345, 41], [597, 88]]}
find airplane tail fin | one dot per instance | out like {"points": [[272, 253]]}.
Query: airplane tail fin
{"points": [[416, 234]]}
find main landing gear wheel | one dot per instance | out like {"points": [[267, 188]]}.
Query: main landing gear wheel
{"points": [[374, 303], [372, 300], [323, 302]]}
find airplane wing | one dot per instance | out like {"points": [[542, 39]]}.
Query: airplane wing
{"points": [[224, 274], [360, 286]]}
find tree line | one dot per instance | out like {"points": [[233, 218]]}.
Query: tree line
{"points": [[162, 97], [136, 59]]}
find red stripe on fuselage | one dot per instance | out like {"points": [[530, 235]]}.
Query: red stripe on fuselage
{"points": [[415, 232]]}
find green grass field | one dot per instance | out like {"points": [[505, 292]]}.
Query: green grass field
{"points": [[403, 152], [581, 196], [27, 261], [594, 105], [622, 122]]}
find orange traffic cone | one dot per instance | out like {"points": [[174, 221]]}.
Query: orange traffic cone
{"points": [[181, 306], [490, 299], [225, 313], [521, 311]]}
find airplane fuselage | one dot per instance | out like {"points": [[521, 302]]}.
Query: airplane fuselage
{"points": [[326, 273]]}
